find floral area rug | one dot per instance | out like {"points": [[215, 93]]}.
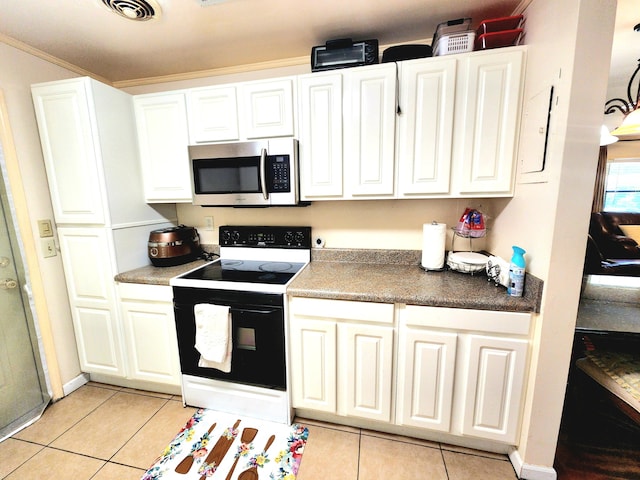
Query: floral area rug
{"points": [[223, 446]]}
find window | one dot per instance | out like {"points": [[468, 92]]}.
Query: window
{"points": [[622, 189]]}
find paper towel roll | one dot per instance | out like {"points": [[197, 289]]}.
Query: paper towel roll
{"points": [[434, 236]]}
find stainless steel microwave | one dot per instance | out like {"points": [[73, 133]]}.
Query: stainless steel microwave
{"points": [[258, 173]]}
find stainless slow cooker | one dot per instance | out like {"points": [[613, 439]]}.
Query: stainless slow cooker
{"points": [[173, 246]]}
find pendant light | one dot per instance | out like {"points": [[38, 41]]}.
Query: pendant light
{"points": [[630, 128]]}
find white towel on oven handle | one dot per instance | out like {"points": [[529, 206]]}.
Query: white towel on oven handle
{"points": [[213, 336]]}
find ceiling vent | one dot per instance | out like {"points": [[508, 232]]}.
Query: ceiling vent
{"points": [[140, 10], [208, 3]]}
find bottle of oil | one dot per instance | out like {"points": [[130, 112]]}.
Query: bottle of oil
{"points": [[516, 272]]}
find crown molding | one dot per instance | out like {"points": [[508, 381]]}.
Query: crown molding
{"points": [[12, 42]]}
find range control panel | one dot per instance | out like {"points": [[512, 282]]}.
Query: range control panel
{"points": [[268, 236]]}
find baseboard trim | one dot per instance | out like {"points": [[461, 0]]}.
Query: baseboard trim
{"points": [[530, 472], [75, 384]]}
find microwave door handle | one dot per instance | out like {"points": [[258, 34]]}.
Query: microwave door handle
{"points": [[263, 173]]}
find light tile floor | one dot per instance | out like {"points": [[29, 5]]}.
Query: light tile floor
{"points": [[102, 432]]}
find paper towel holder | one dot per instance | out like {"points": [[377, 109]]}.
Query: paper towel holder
{"points": [[444, 264]]}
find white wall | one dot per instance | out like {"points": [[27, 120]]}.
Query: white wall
{"points": [[570, 47], [374, 224], [18, 70]]}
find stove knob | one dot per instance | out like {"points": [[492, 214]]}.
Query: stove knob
{"points": [[288, 237], [226, 235], [299, 237], [235, 236]]}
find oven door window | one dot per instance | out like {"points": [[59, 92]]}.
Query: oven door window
{"points": [[227, 175], [258, 355]]}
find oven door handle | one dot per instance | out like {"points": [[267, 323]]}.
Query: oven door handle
{"points": [[263, 173], [254, 311]]}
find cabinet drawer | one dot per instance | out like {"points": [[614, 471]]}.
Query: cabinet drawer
{"points": [[341, 310], [144, 292], [514, 323]]}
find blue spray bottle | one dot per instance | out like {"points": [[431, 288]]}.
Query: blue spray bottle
{"points": [[516, 272]]}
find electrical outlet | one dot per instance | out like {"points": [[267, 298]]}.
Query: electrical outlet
{"points": [[48, 247], [208, 223]]}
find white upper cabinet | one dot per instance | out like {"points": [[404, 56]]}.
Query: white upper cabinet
{"points": [[161, 121], [439, 127], [425, 126], [68, 130], [241, 111], [267, 108], [487, 118], [369, 131], [213, 114], [320, 124], [88, 136]]}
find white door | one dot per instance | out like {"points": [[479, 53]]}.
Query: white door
{"points": [[494, 385], [66, 122], [369, 131], [425, 126], [161, 121], [425, 378], [89, 271], [23, 392], [365, 376], [213, 114], [320, 142], [149, 328], [486, 134], [313, 364], [267, 108]]}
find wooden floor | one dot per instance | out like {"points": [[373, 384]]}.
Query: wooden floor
{"points": [[597, 441]]}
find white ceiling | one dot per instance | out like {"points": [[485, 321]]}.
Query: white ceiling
{"points": [[188, 37]]}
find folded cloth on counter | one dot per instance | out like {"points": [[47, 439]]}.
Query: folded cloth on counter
{"points": [[213, 336]]}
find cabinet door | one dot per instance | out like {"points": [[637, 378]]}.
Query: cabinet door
{"points": [[213, 115], [161, 122], [369, 116], [489, 114], [268, 109], [365, 376], [67, 126], [313, 364], [149, 328], [320, 136], [425, 126], [89, 275], [426, 366], [494, 387]]}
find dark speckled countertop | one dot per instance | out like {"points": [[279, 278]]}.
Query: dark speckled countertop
{"points": [[396, 277], [387, 276]]}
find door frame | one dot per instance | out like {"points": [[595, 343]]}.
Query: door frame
{"points": [[35, 292]]}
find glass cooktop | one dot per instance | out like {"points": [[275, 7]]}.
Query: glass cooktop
{"points": [[246, 271]]}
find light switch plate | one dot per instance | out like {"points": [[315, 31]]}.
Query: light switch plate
{"points": [[45, 228], [48, 247]]}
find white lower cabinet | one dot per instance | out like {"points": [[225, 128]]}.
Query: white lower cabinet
{"points": [[150, 333], [426, 366], [342, 357], [88, 264], [457, 371], [494, 387], [462, 371]]}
